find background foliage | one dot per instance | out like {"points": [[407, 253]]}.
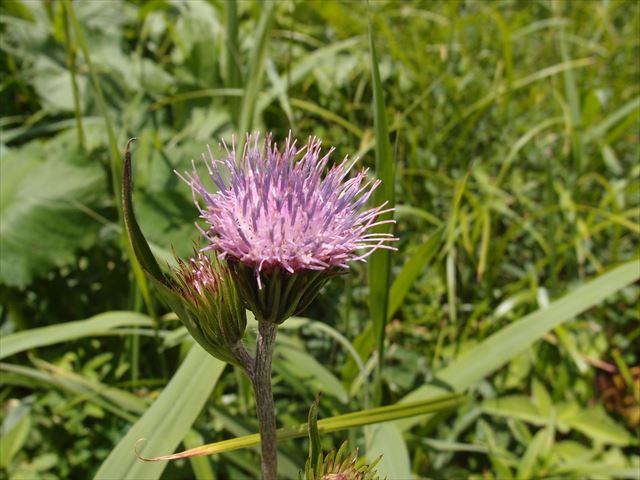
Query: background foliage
{"points": [[513, 129]]}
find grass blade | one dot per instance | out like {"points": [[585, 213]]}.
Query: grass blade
{"points": [[412, 269], [118, 402], [254, 76], [302, 70], [573, 97], [326, 425], [116, 161], [94, 326], [167, 421], [605, 125], [327, 115], [502, 90]]}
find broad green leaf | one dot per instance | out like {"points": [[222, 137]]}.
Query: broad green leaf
{"points": [[502, 346], [166, 218], [167, 421], [386, 439], [44, 194], [51, 83], [116, 162], [572, 450], [102, 324]]}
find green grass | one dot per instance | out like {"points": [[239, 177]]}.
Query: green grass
{"points": [[506, 134]]}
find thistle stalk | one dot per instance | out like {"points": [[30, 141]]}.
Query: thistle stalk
{"points": [[261, 381]]}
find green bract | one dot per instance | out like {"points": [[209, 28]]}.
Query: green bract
{"points": [[283, 294]]}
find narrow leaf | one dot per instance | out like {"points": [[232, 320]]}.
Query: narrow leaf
{"points": [[103, 323], [332, 424], [412, 269], [256, 69], [167, 421]]}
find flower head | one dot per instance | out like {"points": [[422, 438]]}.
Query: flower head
{"points": [[214, 313], [277, 212]]}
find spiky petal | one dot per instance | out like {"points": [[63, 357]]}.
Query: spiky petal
{"points": [[277, 209]]}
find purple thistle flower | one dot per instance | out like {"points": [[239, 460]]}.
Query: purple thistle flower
{"points": [[276, 209]]}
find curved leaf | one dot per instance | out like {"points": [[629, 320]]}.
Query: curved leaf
{"points": [[101, 324], [167, 421], [331, 424], [138, 242]]}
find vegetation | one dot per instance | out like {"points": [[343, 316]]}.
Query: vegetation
{"points": [[507, 135]]}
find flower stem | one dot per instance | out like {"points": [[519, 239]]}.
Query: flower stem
{"points": [[265, 407]]}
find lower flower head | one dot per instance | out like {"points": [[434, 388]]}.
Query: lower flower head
{"points": [[214, 314]]}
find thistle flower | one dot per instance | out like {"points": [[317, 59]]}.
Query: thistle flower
{"points": [[276, 216], [214, 316]]}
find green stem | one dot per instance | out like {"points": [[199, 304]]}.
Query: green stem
{"points": [[265, 407]]}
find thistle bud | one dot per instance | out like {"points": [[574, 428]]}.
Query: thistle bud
{"points": [[214, 313]]}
